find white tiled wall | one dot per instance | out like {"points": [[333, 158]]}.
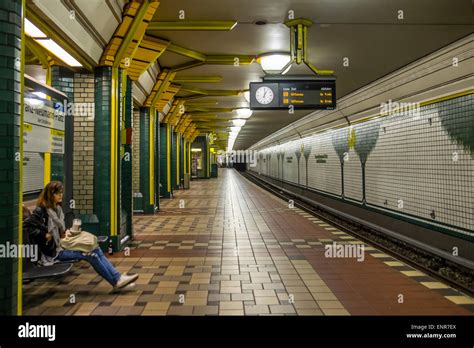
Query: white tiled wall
{"points": [[415, 168]]}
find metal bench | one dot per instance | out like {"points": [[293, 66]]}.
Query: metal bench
{"points": [[31, 271]]}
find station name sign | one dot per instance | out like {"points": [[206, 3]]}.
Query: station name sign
{"points": [[304, 93], [43, 126]]}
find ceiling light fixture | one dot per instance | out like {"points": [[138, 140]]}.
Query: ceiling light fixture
{"points": [[59, 52], [50, 45], [273, 63], [33, 31], [247, 96], [244, 113], [238, 122]]}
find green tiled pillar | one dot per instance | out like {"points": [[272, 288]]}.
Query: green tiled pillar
{"points": [[157, 157], [165, 170], [181, 158], [63, 80], [103, 156], [145, 155], [62, 164], [10, 120], [126, 182]]}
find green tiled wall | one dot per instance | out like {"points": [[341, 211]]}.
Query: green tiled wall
{"points": [[127, 194], [102, 163], [163, 163], [10, 97], [174, 141]]}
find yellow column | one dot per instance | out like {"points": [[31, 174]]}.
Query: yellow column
{"points": [[113, 150], [47, 155], [168, 156], [177, 158], [19, 292], [189, 157], [185, 164], [152, 155]]}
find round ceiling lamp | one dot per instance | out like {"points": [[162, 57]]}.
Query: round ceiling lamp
{"points": [[235, 129], [238, 122], [244, 113], [273, 63], [247, 96]]}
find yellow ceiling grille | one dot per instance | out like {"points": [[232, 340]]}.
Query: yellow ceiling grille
{"points": [[142, 50]]}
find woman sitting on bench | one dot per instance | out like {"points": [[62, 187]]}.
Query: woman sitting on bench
{"points": [[46, 228]]}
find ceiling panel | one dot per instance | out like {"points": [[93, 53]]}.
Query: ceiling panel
{"points": [[322, 11], [368, 32]]}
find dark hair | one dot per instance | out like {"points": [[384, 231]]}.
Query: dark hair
{"points": [[46, 198]]}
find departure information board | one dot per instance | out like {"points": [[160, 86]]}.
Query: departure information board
{"points": [[298, 94]]}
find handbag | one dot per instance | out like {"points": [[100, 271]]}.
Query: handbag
{"points": [[81, 241]]}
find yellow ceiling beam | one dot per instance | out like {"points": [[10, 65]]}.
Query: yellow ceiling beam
{"points": [[198, 109], [149, 50], [45, 57], [198, 79], [161, 85], [199, 103], [187, 65], [230, 59], [203, 114], [183, 123], [171, 111], [193, 25], [130, 35], [175, 112], [211, 92], [186, 52]]}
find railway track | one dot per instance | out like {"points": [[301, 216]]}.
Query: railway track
{"points": [[448, 272]]}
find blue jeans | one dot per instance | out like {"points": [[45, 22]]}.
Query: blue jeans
{"points": [[97, 260]]}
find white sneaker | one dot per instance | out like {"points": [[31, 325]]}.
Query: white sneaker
{"points": [[129, 287], [125, 280]]}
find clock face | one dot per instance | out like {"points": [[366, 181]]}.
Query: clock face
{"points": [[264, 95]]}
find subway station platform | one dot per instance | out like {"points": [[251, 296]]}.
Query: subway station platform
{"points": [[228, 247]]}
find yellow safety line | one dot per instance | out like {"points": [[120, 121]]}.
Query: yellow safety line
{"points": [[152, 156], [455, 95], [19, 292], [414, 105], [168, 156]]}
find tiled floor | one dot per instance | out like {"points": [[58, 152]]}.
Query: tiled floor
{"points": [[227, 247]]}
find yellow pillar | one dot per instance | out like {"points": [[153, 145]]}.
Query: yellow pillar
{"points": [[152, 155], [47, 155], [177, 158]]}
